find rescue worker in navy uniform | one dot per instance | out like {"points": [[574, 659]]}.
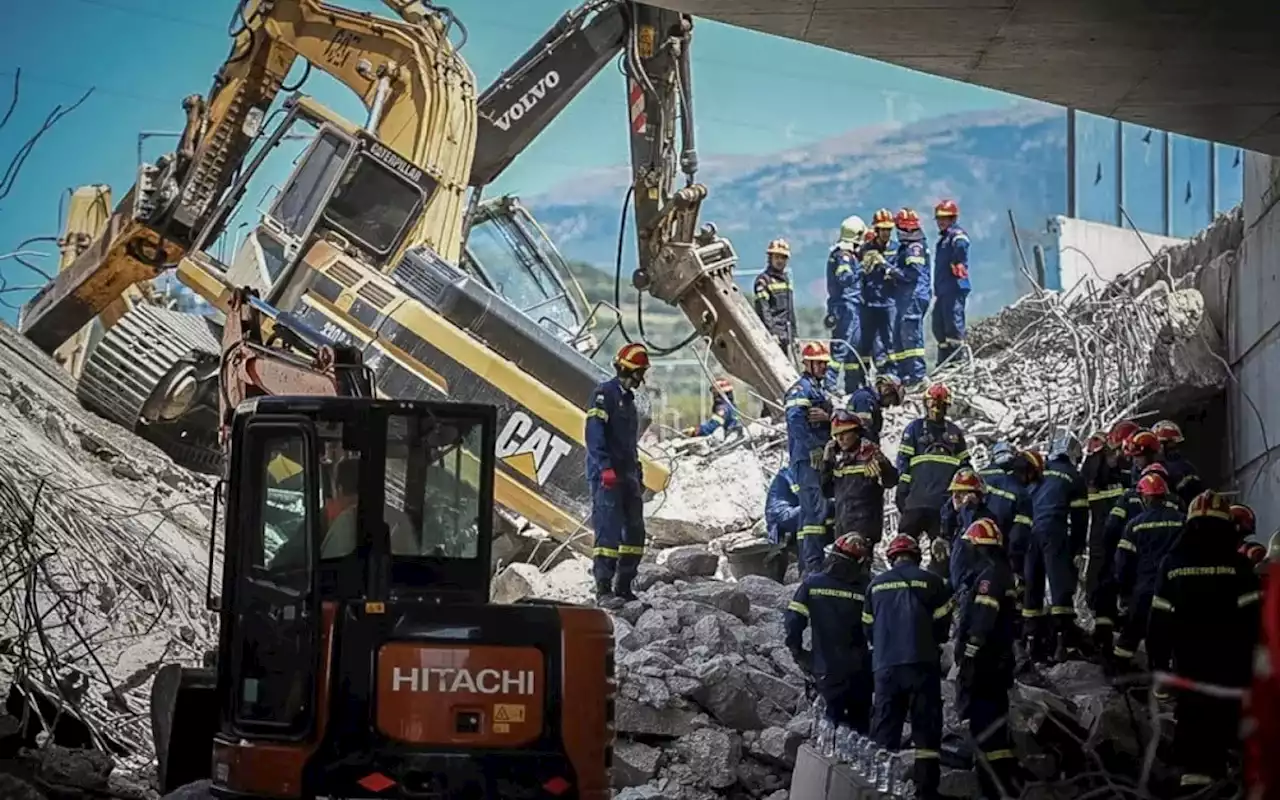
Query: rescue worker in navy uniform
{"points": [[1059, 527], [844, 299], [1184, 479], [931, 451], [966, 505], [910, 277], [1105, 481], [984, 658], [1147, 539], [775, 296], [1205, 619], [908, 616], [869, 402], [855, 474], [724, 412], [1141, 449], [950, 280], [808, 412], [782, 522], [831, 600], [614, 474], [1009, 500], [876, 321]]}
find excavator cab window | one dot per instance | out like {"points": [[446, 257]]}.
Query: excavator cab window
{"points": [[374, 205]]}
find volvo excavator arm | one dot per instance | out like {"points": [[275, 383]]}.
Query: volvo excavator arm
{"points": [[396, 68], [678, 262]]}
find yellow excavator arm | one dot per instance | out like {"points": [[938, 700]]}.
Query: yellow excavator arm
{"points": [[421, 99]]}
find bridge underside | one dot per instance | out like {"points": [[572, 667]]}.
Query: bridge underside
{"points": [[1197, 67]]}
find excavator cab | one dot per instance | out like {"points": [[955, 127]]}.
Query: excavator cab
{"points": [[358, 654]]}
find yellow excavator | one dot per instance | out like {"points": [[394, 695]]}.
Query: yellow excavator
{"points": [[365, 240]]}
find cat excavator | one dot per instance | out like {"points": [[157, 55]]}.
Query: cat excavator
{"points": [[366, 239]]}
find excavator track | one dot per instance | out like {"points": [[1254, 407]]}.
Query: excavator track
{"points": [[132, 360]]}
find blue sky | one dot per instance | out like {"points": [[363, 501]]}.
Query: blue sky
{"points": [[754, 94]]}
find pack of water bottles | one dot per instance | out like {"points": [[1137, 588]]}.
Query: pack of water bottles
{"points": [[882, 769]]}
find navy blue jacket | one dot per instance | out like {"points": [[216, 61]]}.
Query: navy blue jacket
{"points": [[989, 625], [804, 437], [952, 250], [832, 605], [844, 278], [911, 275], [1147, 539], [928, 458], [1060, 504], [1010, 502], [858, 496], [613, 432], [782, 507], [907, 616], [865, 402], [877, 289], [964, 562], [1184, 480], [723, 414]]}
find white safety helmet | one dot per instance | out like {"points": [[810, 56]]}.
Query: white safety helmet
{"points": [[853, 229]]}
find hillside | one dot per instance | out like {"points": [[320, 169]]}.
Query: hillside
{"points": [[989, 162]]}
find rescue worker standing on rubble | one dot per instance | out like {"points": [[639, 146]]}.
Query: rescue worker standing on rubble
{"points": [[808, 411], [855, 474], [775, 296], [869, 402], [966, 506], [1205, 620], [724, 412], [844, 299], [1059, 526], [1009, 500], [876, 321], [984, 657], [1105, 480], [1184, 479], [907, 617], [614, 474], [1147, 539], [909, 277], [950, 280], [782, 522], [931, 451], [831, 600]]}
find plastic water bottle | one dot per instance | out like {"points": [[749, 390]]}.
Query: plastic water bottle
{"points": [[819, 707], [906, 789], [867, 759], [844, 744], [882, 770], [895, 766], [856, 747], [826, 738]]}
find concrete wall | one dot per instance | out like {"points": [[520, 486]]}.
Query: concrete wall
{"points": [[1097, 253], [1253, 344]]}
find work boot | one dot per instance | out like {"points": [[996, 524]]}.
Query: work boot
{"points": [[623, 591], [605, 598]]}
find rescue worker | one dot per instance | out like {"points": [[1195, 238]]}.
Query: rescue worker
{"points": [[931, 451], [844, 299], [907, 617], [966, 506], [775, 296], [1009, 500], [1104, 478], [830, 601], [782, 522], [1147, 539], [1205, 619], [878, 254], [909, 277], [1142, 449], [808, 413], [1184, 480], [869, 402], [724, 412], [950, 280], [1059, 525], [1116, 438], [614, 474], [855, 474], [984, 657]]}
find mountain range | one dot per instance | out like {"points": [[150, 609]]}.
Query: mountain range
{"points": [[990, 162]]}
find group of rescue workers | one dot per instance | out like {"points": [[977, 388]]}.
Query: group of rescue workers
{"points": [[1168, 563]]}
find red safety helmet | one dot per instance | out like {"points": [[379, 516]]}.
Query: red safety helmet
{"points": [[632, 356], [882, 219], [984, 532], [844, 420], [1245, 519], [1155, 468], [966, 480], [907, 220], [1152, 485], [1120, 433], [1095, 443], [815, 351], [1143, 442], [946, 208], [722, 386], [852, 546], [1254, 551], [1035, 461], [1167, 432], [937, 393], [1210, 504], [902, 544]]}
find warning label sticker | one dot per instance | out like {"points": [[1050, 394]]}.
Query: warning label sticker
{"points": [[508, 712]]}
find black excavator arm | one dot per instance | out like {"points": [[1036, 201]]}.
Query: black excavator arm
{"points": [[678, 262]]}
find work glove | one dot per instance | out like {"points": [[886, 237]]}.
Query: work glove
{"points": [[690, 431], [960, 271], [818, 414], [829, 322], [609, 478], [815, 458]]}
